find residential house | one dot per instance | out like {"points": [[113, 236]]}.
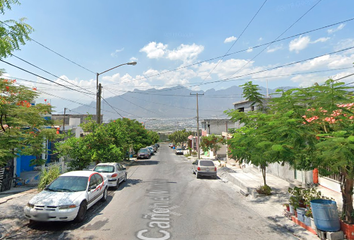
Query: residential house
{"points": [[217, 127]]}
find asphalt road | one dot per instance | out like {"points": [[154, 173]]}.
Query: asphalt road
{"points": [[161, 200]]}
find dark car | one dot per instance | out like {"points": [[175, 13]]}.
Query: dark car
{"points": [[143, 153]]}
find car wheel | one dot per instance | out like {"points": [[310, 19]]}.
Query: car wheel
{"points": [[82, 212], [117, 185], [125, 177], [193, 171], [104, 195], [197, 174]]}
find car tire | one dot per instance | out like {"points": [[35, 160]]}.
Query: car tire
{"points": [[82, 212], [104, 195], [197, 174], [193, 172], [117, 185], [125, 177]]}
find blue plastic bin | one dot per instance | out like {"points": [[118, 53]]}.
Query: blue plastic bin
{"points": [[325, 215]]}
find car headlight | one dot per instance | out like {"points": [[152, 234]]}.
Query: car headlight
{"points": [[67, 206], [30, 205]]}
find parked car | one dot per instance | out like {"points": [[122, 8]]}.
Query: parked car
{"points": [[203, 167], [154, 148], [68, 197], [143, 153], [179, 151], [151, 150], [115, 173], [171, 145]]}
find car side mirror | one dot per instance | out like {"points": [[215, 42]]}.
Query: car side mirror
{"points": [[124, 168], [93, 187]]}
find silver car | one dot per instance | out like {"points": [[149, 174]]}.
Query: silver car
{"points": [[204, 168], [114, 172], [68, 197]]}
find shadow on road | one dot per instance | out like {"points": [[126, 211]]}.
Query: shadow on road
{"points": [[145, 162]]}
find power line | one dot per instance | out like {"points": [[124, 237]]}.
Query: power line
{"points": [[254, 47], [41, 77], [277, 37], [49, 73], [114, 108], [62, 56], [254, 16]]}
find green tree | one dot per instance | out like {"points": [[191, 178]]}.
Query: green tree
{"points": [[21, 124], [179, 137], [12, 33], [211, 142]]}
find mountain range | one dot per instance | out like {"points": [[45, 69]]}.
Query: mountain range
{"points": [[175, 102]]}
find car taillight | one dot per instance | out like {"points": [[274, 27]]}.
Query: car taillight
{"points": [[114, 175], [198, 168], [215, 169]]}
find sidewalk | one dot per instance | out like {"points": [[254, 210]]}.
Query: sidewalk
{"points": [[247, 180]]}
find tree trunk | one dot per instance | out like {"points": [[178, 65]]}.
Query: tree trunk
{"points": [[264, 168], [346, 185]]}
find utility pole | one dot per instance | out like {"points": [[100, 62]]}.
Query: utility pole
{"points": [[98, 103], [198, 151], [64, 121]]}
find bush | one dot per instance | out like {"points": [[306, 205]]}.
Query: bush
{"points": [[264, 190], [48, 176]]}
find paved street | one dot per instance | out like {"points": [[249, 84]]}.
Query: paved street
{"points": [[162, 199]]}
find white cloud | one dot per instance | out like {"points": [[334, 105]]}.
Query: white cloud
{"points": [[230, 39], [185, 53], [299, 44], [113, 54], [260, 39], [323, 39], [333, 30], [274, 49], [154, 50], [133, 59], [249, 50]]}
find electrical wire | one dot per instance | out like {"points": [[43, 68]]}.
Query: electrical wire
{"points": [[249, 23], [50, 73], [277, 38], [254, 47], [62, 56], [41, 77]]}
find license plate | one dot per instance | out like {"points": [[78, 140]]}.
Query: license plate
{"points": [[207, 170], [42, 216]]}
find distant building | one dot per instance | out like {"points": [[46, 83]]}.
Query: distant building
{"points": [[217, 126]]}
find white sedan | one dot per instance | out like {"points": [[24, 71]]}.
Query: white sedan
{"points": [[115, 172], [68, 197]]}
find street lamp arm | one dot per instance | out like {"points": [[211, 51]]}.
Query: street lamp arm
{"points": [[129, 63]]}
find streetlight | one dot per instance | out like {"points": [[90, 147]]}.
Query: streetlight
{"points": [[98, 88]]}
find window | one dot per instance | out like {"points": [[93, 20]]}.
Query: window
{"points": [[206, 163]]}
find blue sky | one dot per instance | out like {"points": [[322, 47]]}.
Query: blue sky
{"points": [[169, 38]]}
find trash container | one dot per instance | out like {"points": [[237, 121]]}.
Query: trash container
{"points": [[325, 215]]}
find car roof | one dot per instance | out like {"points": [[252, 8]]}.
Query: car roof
{"points": [[108, 163], [79, 173]]}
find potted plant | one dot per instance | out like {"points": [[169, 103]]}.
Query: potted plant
{"points": [[287, 208], [296, 199], [308, 216]]}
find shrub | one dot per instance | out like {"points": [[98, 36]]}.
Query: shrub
{"points": [[264, 190], [48, 176]]}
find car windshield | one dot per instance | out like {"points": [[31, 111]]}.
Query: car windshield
{"points": [[179, 148], [104, 168], [68, 184], [143, 150], [206, 163]]}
